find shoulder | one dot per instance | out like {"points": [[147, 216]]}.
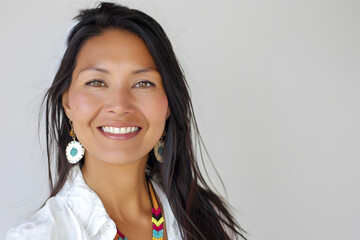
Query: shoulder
{"points": [[54, 220], [76, 212]]}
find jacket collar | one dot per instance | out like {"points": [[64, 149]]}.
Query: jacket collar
{"points": [[87, 206]]}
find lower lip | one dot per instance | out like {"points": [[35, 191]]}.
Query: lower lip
{"points": [[120, 136]]}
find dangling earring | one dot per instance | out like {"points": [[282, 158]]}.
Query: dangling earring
{"points": [[74, 149], [159, 148]]}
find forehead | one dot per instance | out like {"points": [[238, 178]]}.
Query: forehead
{"points": [[115, 47]]}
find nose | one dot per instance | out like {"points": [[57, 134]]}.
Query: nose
{"points": [[120, 101]]}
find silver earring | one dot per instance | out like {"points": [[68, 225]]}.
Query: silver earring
{"points": [[74, 150], [159, 148]]}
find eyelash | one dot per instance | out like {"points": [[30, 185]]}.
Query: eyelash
{"points": [[100, 83], [148, 84], [93, 82]]}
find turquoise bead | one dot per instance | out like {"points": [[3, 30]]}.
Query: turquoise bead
{"points": [[73, 152], [160, 150]]}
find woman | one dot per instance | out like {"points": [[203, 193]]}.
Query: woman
{"points": [[118, 120]]}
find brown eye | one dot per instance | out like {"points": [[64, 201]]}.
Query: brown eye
{"points": [[144, 84], [96, 83]]}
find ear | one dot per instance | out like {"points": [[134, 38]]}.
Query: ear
{"points": [[65, 104]]}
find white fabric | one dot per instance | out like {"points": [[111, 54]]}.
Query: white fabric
{"points": [[77, 213]]}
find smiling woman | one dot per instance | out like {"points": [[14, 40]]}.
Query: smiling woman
{"points": [[119, 120]]}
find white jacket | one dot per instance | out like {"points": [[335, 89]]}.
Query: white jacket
{"points": [[77, 213]]}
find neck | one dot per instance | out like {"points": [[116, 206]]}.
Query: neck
{"points": [[122, 188]]}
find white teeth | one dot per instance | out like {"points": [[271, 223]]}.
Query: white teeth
{"points": [[122, 130]]}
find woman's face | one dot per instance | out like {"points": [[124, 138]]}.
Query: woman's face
{"points": [[116, 99]]}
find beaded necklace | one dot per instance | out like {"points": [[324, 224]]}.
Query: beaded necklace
{"points": [[157, 219]]}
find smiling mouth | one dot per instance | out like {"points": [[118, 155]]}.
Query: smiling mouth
{"points": [[121, 130]]}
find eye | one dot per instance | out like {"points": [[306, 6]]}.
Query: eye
{"points": [[144, 84], [96, 83]]}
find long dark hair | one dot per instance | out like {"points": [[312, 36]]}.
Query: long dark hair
{"points": [[201, 213]]}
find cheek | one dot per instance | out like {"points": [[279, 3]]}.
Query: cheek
{"points": [[83, 105], [155, 109]]}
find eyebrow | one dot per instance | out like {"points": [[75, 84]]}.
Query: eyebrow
{"points": [[94, 69], [147, 69], [143, 70]]}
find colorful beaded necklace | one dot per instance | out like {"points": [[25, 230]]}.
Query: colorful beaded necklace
{"points": [[157, 219]]}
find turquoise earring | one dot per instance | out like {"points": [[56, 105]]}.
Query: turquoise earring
{"points": [[159, 148], [74, 150]]}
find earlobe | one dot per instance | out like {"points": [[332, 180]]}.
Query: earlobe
{"points": [[65, 104]]}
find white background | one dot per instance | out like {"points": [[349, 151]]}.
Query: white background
{"points": [[275, 86]]}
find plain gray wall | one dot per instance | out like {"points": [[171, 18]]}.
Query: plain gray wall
{"points": [[275, 86]]}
